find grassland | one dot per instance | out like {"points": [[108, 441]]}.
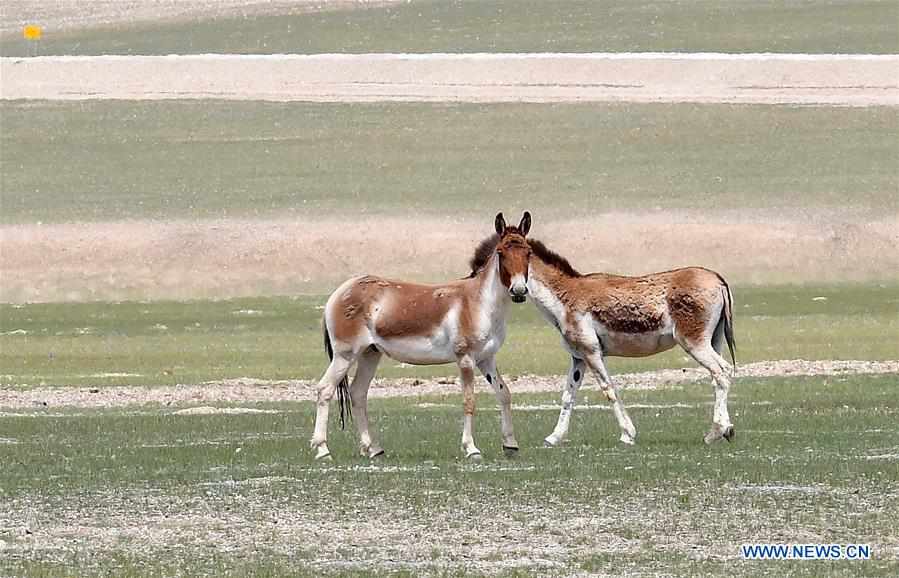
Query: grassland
{"points": [[120, 160], [149, 492], [867, 26], [144, 490], [157, 343]]}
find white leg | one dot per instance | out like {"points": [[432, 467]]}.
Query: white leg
{"points": [[707, 357], [466, 369], [628, 431], [326, 387], [569, 399], [365, 371], [504, 399]]}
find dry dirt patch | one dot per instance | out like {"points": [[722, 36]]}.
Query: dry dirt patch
{"points": [[233, 257]]}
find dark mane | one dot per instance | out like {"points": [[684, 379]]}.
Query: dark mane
{"points": [[482, 254], [551, 258]]}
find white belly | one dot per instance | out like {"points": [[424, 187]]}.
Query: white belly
{"points": [[431, 350]]}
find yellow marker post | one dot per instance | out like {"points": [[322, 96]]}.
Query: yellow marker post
{"points": [[32, 32]]}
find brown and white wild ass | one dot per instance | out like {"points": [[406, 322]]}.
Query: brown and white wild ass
{"points": [[461, 322], [601, 315]]}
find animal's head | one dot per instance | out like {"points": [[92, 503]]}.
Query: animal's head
{"points": [[513, 253]]}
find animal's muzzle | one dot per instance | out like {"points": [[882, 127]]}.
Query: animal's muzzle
{"points": [[518, 289]]}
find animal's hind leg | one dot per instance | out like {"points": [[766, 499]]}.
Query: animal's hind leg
{"points": [[336, 371], [365, 371], [569, 399], [706, 356]]}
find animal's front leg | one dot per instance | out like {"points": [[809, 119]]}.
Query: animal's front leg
{"points": [[628, 431], [466, 369], [569, 399], [504, 399]]}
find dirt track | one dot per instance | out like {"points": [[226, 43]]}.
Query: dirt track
{"points": [[857, 80], [249, 391]]}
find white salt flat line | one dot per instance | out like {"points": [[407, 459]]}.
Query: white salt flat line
{"points": [[476, 56]]}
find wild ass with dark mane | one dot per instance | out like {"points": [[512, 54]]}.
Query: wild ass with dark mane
{"points": [[461, 322], [601, 315]]}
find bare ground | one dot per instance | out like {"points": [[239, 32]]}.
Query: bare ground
{"points": [[249, 390], [228, 258]]}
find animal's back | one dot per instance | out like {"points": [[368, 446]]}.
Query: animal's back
{"points": [[654, 306], [388, 308]]}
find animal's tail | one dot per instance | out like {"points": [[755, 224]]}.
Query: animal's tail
{"points": [[728, 319], [343, 388]]}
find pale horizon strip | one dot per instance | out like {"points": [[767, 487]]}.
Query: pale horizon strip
{"points": [[382, 56]]}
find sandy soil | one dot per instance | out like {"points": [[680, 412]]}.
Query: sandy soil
{"points": [[71, 14], [819, 79], [227, 258], [247, 390]]}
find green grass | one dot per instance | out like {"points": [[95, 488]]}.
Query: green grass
{"points": [[115, 160], [280, 338], [507, 26], [670, 504]]}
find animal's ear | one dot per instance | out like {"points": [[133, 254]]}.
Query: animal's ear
{"points": [[500, 224], [525, 225]]}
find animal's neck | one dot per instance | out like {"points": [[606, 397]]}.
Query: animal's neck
{"points": [[545, 287], [494, 297], [545, 273]]}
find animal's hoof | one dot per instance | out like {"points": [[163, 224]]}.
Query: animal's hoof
{"points": [[324, 457], [729, 433], [474, 457], [627, 439], [510, 451], [550, 442], [322, 452], [714, 435], [370, 451]]}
